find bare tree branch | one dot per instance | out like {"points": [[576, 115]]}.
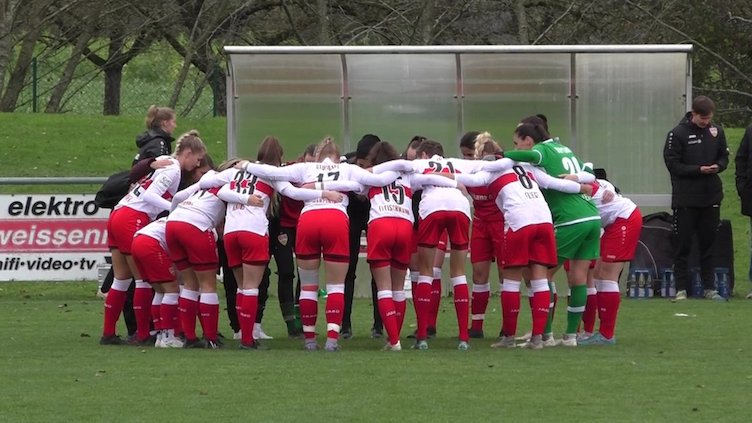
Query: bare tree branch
{"points": [[294, 27], [724, 90], [563, 15]]}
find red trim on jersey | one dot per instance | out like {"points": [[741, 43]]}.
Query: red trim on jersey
{"points": [[506, 179], [266, 189], [596, 187], [214, 191], [373, 191]]}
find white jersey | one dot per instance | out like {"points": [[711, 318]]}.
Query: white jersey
{"points": [[325, 172], [518, 194], [202, 209], [619, 207], [152, 194], [237, 186], [396, 199], [156, 230]]}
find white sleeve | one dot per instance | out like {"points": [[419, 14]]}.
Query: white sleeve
{"points": [[181, 196], [342, 186], [367, 178], [399, 165], [162, 182], [549, 182], [214, 179], [467, 166], [229, 195], [300, 194], [585, 177], [500, 165], [290, 173], [475, 180], [418, 181]]}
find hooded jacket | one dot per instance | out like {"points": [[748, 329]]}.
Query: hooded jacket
{"points": [[687, 148], [153, 143]]}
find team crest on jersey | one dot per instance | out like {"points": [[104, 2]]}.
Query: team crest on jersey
{"points": [[282, 238], [714, 131]]}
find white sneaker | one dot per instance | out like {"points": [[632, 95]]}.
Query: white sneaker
{"points": [[258, 332], [525, 337], [396, 347], [548, 340], [567, 340], [158, 342], [100, 294], [584, 335], [173, 342], [237, 335], [749, 296]]}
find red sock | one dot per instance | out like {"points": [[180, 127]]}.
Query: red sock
{"points": [[608, 306], [335, 309], [539, 304], [591, 309], [400, 307], [113, 305], [479, 305], [388, 315], [142, 309], [208, 307], [238, 302], [247, 314], [309, 311], [177, 322], [510, 306], [422, 297], [433, 311], [169, 315], [188, 307], [156, 315], [462, 306], [530, 299]]}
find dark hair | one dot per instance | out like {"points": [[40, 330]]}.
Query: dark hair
{"points": [[703, 105], [414, 144], [537, 132], [206, 161], [600, 173], [270, 151], [431, 148], [468, 140], [382, 152], [309, 151], [538, 119]]}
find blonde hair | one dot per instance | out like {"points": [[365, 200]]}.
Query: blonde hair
{"points": [[189, 141], [326, 148], [156, 115], [485, 145], [227, 164]]}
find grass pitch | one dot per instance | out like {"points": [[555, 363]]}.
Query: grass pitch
{"points": [[665, 368]]}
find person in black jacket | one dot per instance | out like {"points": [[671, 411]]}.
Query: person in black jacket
{"points": [[358, 210], [157, 140], [743, 161], [695, 152]]}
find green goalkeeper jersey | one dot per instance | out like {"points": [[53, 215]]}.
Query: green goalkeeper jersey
{"points": [[557, 159]]}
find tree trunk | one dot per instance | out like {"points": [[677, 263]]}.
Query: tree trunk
{"points": [[18, 76], [53, 106], [113, 76], [426, 23], [8, 12], [522, 26], [322, 9]]}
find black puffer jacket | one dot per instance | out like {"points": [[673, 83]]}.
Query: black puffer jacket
{"points": [[687, 148], [743, 161], [153, 143]]}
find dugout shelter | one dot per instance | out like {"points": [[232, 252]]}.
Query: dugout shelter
{"points": [[612, 104]]}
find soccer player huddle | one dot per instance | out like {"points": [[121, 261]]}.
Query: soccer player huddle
{"points": [[535, 209]]}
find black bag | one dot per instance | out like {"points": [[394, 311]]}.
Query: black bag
{"points": [[655, 250], [723, 251], [113, 190]]}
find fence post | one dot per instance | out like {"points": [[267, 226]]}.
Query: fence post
{"points": [[215, 88], [34, 105]]}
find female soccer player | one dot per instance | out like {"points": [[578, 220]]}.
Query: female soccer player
{"points": [[621, 221], [141, 205], [323, 227], [246, 228], [487, 230], [528, 241]]}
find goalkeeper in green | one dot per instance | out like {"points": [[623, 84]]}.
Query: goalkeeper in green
{"points": [[577, 223]]}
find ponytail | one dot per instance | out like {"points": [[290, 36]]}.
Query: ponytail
{"points": [[485, 145], [189, 141], [156, 115], [326, 148], [537, 132]]}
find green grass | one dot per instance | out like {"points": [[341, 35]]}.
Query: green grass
{"points": [[664, 369]]}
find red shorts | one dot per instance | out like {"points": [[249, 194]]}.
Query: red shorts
{"points": [[442, 245], [529, 244], [619, 239], [122, 225], [389, 242], [326, 231], [152, 260], [456, 224], [191, 247], [566, 264], [414, 242], [245, 247], [485, 240]]}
